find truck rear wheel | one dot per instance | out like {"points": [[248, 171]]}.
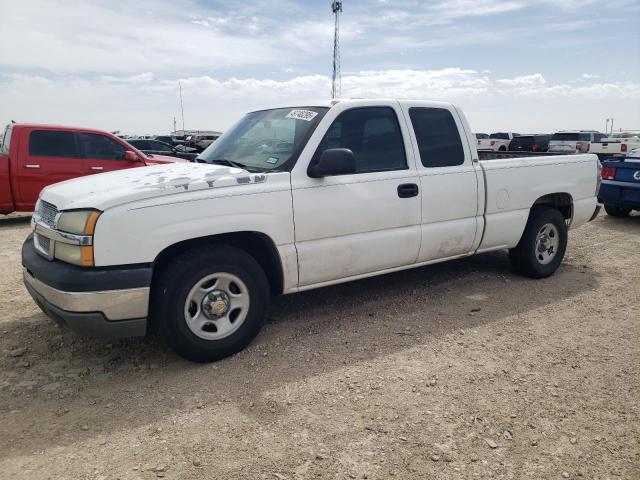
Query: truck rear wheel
{"points": [[543, 244], [210, 303], [617, 211]]}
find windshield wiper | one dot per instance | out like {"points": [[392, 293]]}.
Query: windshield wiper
{"points": [[224, 161]]}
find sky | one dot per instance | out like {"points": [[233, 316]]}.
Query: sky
{"points": [[512, 65]]}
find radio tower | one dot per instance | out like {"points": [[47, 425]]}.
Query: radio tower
{"points": [[336, 83]]}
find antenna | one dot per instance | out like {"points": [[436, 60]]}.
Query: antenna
{"points": [[181, 106], [336, 82]]}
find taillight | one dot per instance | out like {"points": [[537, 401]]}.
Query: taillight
{"points": [[623, 147], [534, 148], [608, 173], [578, 146], [493, 142]]}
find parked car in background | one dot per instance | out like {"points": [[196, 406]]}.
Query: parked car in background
{"points": [[616, 144], [633, 155], [34, 156], [530, 143], [620, 190], [155, 147], [497, 142], [575, 141], [214, 241], [480, 136], [173, 141], [203, 141]]}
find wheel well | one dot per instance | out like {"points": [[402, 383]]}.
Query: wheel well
{"points": [[560, 201], [256, 244]]}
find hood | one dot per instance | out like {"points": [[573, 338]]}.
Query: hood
{"points": [[123, 186], [162, 159]]}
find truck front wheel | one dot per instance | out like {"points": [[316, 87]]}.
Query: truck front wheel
{"points": [[211, 302], [543, 244]]}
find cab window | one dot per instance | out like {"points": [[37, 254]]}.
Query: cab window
{"points": [[439, 141], [51, 143], [372, 134], [99, 147]]}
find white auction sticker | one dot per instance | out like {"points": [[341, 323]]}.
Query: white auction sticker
{"points": [[306, 115]]}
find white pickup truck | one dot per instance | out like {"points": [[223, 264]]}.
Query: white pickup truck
{"points": [[497, 142], [291, 199], [617, 144]]}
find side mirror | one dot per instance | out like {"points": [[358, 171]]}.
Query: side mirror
{"points": [[333, 161], [130, 156]]}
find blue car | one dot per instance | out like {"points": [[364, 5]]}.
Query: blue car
{"points": [[620, 190]]}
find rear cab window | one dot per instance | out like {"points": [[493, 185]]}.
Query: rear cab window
{"points": [[438, 137], [52, 143], [499, 136]]}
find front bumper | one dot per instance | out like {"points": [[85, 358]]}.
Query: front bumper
{"points": [[102, 302]]}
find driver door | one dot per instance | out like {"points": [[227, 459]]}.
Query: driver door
{"points": [[368, 221]]}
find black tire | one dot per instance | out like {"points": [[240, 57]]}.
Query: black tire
{"points": [[524, 257], [503, 149], [617, 211], [179, 277]]}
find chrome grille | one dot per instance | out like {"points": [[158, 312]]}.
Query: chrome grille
{"points": [[46, 213]]}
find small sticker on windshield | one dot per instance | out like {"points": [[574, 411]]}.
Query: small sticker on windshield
{"points": [[306, 115], [272, 160]]}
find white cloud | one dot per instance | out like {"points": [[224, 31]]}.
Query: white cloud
{"points": [[145, 103]]}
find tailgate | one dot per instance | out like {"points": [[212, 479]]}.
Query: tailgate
{"points": [[610, 148]]}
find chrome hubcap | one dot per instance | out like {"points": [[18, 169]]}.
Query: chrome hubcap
{"points": [[547, 243], [216, 306]]}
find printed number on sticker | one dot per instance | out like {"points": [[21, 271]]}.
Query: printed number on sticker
{"points": [[306, 115]]}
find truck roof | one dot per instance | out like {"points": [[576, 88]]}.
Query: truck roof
{"points": [[328, 103], [47, 126]]}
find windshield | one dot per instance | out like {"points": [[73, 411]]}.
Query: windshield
{"points": [[265, 140], [523, 140], [5, 140], [500, 136], [480, 136], [624, 135], [570, 137]]}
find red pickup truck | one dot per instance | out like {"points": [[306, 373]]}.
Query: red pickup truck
{"points": [[34, 156]]}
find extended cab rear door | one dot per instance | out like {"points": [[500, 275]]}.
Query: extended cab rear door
{"points": [[449, 181], [363, 222], [46, 156]]}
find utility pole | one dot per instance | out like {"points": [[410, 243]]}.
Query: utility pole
{"points": [[612, 119], [606, 126], [181, 106], [175, 126], [336, 81]]}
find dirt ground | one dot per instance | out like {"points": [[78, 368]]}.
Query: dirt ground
{"points": [[459, 370]]}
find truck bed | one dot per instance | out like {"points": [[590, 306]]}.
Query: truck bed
{"points": [[514, 183]]}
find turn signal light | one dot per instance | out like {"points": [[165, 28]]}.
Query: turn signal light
{"points": [[608, 173]]}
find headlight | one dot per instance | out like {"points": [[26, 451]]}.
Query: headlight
{"points": [[75, 254], [80, 222]]}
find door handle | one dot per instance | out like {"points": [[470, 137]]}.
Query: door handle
{"points": [[96, 168], [408, 190], [32, 165]]}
